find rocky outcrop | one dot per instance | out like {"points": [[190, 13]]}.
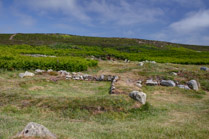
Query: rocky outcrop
{"points": [[35, 130], [138, 96], [193, 85], [168, 83]]}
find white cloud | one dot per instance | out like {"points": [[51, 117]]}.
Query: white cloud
{"points": [[121, 12], [67, 7], [124, 13], [193, 22]]}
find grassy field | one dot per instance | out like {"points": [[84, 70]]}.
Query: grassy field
{"points": [[83, 109]]}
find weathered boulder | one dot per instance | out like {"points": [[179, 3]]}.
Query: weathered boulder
{"points": [[35, 130], [186, 87], [26, 74], [204, 68], [193, 85], [168, 83], [151, 82], [138, 96]]}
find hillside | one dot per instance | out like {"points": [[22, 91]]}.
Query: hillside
{"points": [[89, 87], [49, 39]]}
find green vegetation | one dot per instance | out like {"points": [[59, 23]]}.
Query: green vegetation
{"points": [[12, 57], [85, 109]]}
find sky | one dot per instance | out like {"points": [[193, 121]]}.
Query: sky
{"points": [[179, 21]]}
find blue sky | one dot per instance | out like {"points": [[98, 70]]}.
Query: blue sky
{"points": [[180, 21]]}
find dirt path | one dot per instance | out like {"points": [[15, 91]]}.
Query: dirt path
{"points": [[11, 37]]}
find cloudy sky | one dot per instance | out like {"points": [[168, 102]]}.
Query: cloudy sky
{"points": [[181, 21]]}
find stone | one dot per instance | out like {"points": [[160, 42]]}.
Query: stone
{"points": [[174, 73], [168, 83], [39, 71], [26, 74], [63, 72], [151, 83], [35, 130], [193, 85], [139, 85], [50, 70], [153, 62], [186, 87], [204, 68], [141, 63], [138, 96], [68, 77]]}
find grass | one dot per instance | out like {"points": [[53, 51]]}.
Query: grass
{"points": [[82, 109]]}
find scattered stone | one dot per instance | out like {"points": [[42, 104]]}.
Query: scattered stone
{"points": [[174, 73], [139, 85], [186, 87], [151, 83], [63, 72], [38, 71], [204, 68], [168, 83], [141, 63], [138, 96], [26, 74], [193, 85], [50, 70], [153, 62], [35, 130], [67, 77]]}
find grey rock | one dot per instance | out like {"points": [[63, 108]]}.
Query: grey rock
{"points": [[50, 70], [138, 96], [26, 74], [151, 83], [139, 85], [186, 87], [141, 63], [174, 73], [168, 83], [204, 68], [35, 130], [63, 72], [39, 71], [68, 77], [193, 85]]}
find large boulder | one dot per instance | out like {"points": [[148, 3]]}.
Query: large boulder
{"points": [[26, 74], [138, 96], [168, 83], [186, 87], [204, 68], [35, 130], [193, 85], [151, 82]]}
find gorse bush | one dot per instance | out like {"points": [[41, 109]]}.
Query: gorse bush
{"points": [[12, 58]]}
